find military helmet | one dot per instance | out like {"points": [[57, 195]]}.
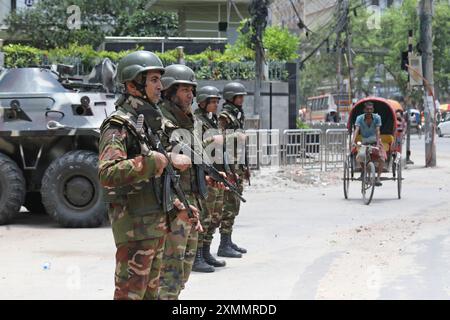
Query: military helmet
{"points": [[178, 74], [233, 89], [137, 62], [207, 92]]}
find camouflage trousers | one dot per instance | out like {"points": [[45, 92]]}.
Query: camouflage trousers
{"points": [[138, 265], [178, 257], [211, 215], [231, 206]]}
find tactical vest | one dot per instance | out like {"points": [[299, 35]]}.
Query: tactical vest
{"points": [[143, 198], [236, 120], [192, 180], [234, 114], [209, 120]]}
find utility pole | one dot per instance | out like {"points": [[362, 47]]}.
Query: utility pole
{"points": [[426, 34], [349, 52], [408, 102]]}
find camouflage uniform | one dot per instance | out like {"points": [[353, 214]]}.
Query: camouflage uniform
{"points": [[233, 118], [181, 242], [212, 205], [138, 222]]}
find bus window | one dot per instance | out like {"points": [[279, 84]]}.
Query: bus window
{"points": [[323, 104]]}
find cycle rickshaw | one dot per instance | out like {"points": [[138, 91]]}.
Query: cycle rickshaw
{"points": [[391, 141]]}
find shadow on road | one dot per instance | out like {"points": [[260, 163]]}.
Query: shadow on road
{"points": [[36, 220], [33, 220], [374, 200]]}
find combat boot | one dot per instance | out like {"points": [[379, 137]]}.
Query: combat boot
{"points": [[200, 264], [225, 249], [236, 248], [209, 259]]}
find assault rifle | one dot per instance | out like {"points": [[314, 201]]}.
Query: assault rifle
{"points": [[171, 178]]}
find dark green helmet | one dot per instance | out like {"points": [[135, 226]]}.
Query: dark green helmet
{"points": [[207, 92], [177, 74], [233, 89], [137, 62]]}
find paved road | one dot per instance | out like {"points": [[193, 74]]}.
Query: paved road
{"points": [[304, 242]]}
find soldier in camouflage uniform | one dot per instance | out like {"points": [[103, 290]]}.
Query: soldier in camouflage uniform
{"points": [[208, 100], [129, 175], [179, 86], [232, 118]]}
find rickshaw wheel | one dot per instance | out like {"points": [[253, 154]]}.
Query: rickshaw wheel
{"points": [[394, 167], [399, 179], [368, 183], [347, 166]]}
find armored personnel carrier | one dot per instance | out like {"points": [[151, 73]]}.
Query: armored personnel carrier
{"points": [[49, 132]]}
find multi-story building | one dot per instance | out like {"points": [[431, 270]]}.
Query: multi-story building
{"points": [[7, 6], [201, 18], [313, 14]]}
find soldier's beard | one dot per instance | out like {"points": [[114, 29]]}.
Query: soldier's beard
{"points": [[185, 107]]}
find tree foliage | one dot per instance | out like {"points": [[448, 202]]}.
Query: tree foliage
{"points": [[390, 36], [145, 24], [280, 44], [50, 24]]}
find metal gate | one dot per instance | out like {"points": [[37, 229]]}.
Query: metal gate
{"points": [[263, 147]]}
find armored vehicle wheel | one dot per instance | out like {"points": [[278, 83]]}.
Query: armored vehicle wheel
{"points": [[33, 202], [71, 191], [12, 189]]}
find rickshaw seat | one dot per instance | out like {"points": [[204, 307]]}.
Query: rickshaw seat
{"points": [[386, 139]]}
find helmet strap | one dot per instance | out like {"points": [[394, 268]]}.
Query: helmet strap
{"points": [[141, 84], [203, 105]]}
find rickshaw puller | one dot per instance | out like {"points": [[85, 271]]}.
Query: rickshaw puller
{"points": [[368, 125]]}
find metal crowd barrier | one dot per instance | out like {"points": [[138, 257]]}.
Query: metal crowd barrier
{"points": [[303, 147], [307, 148], [263, 147], [336, 146]]}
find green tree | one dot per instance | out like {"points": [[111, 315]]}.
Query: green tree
{"points": [[48, 25], [441, 49], [143, 23], [280, 44], [389, 40]]}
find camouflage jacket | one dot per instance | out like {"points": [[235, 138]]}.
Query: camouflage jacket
{"points": [[232, 118], [127, 176], [175, 119], [210, 124], [209, 120]]}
